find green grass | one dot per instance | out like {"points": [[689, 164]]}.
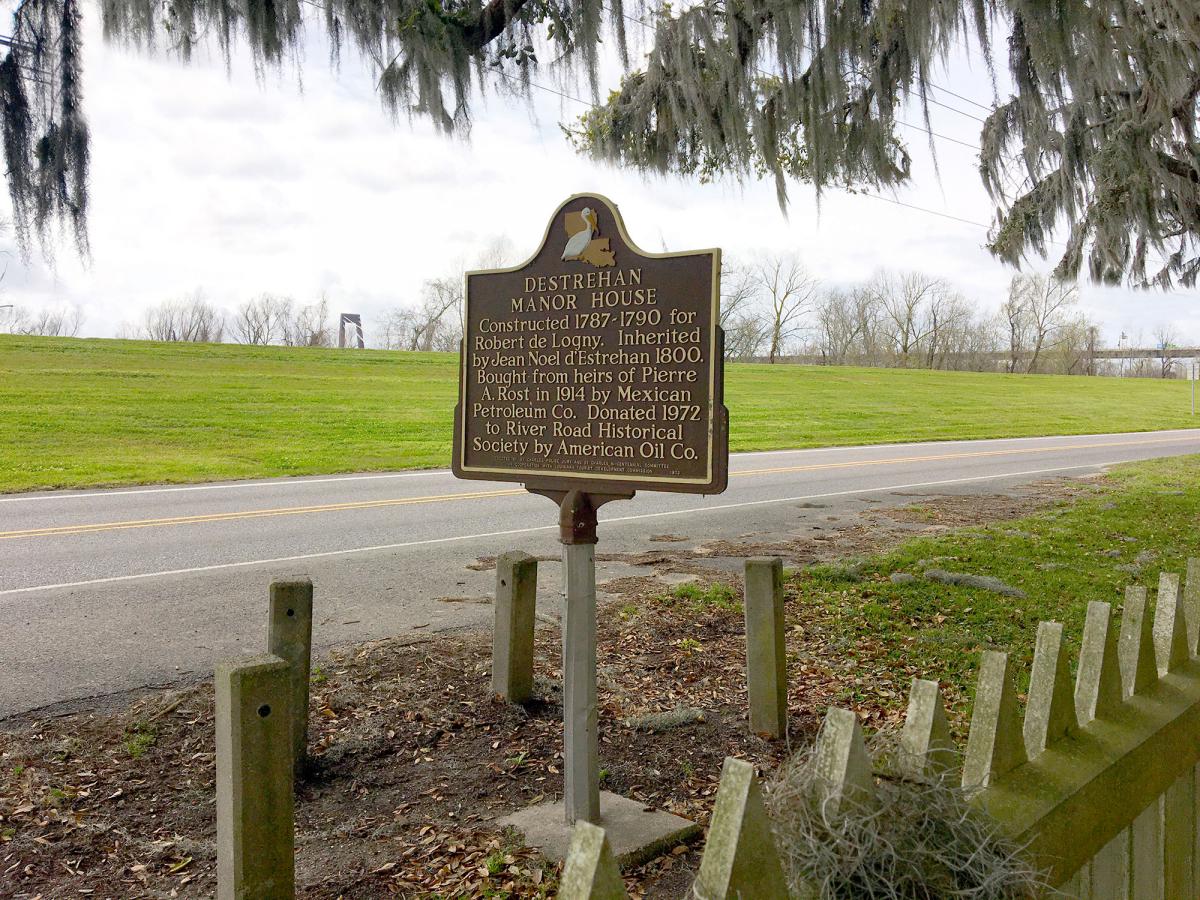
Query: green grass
{"points": [[77, 413], [1062, 558], [699, 597], [140, 738]]}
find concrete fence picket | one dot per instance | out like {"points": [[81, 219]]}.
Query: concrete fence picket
{"points": [[1099, 780], [590, 871], [926, 748], [740, 859]]}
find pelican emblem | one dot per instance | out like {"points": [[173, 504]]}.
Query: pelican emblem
{"points": [[579, 240], [583, 242]]}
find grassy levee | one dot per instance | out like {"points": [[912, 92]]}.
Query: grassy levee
{"points": [[77, 413]]}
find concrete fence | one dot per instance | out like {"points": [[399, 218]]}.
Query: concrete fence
{"points": [[1100, 780]]}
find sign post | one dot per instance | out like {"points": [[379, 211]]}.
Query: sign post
{"points": [[591, 371]]}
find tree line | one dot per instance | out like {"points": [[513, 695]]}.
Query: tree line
{"points": [[272, 319], [267, 319], [774, 309]]}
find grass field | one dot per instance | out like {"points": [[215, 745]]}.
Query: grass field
{"points": [[77, 413], [1140, 521]]}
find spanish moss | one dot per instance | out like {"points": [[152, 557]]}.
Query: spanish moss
{"points": [[1097, 143]]}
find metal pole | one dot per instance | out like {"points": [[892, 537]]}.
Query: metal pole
{"points": [[581, 772]]}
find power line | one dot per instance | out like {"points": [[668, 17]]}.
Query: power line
{"points": [[944, 137], [877, 197], [944, 90], [548, 90], [647, 26], [932, 212], [955, 109]]}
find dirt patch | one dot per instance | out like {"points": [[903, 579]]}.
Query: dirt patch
{"points": [[414, 761], [958, 510]]}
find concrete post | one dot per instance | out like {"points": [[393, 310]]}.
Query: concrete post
{"points": [[581, 771], [290, 638], [512, 636], [255, 838], [766, 659]]}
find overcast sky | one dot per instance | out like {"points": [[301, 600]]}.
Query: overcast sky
{"points": [[205, 180]]}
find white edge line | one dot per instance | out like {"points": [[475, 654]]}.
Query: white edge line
{"points": [[468, 537], [424, 473]]}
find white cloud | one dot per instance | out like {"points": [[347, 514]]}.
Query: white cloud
{"points": [[203, 179]]}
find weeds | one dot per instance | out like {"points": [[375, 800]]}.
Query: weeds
{"points": [[140, 738], [716, 595]]}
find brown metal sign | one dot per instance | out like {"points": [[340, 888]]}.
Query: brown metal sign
{"points": [[594, 366]]}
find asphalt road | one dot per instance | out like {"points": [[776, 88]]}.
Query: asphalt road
{"points": [[109, 591]]}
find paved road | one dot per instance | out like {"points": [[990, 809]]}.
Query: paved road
{"points": [[106, 591]]}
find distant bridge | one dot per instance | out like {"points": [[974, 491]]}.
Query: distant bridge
{"points": [[1139, 353], [1004, 356]]}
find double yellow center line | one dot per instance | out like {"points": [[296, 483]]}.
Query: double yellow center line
{"points": [[249, 514], [65, 530]]}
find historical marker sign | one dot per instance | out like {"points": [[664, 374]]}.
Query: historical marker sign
{"points": [[594, 366]]}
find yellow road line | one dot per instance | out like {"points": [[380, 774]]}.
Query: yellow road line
{"points": [[65, 530], [250, 514]]}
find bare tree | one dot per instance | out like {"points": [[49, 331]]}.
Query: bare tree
{"points": [[742, 316], [262, 320], [434, 324], [790, 292], [904, 299], [310, 327], [746, 335], [949, 318], [192, 319], [1047, 304], [14, 318], [61, 321], [739, 291], [1014, 314], [844, 322], [498, 252], [1165, 337]]}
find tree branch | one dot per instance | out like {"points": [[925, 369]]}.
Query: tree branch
{"points": [[490, 23]]}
